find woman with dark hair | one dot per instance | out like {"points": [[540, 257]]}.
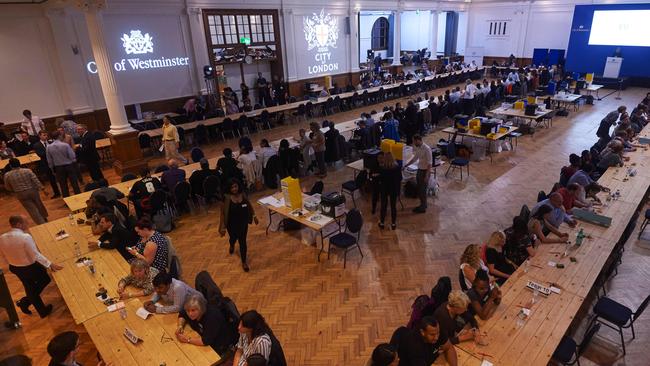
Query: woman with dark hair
{"points": [[391, 183], [384, 355], [236, 214], [152, 247], [536, 226], [254, 337], [520, 243]]}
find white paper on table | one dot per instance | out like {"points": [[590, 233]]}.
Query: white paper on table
{"points": [[486, 363], [271, 201], [143, 313], [320, 219], [115, 307], [552, 264], [62, 236], [556, 290], [161, 148]]}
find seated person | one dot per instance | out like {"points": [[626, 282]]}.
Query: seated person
{"points": [[583, 177], [247, 162], [470, 262], [500, 267], [21, 145], [455, 321], [152, 246], [227, 167], [6, 152], [420, 346], [266, 151], [570, 195], [484, 298], [63, 350], [208, 321], [567, 171], [383, 355], [172, 176], [537, 226], [142, 190], [557, 216], [170, 293], [114, 236], [520, 242], [141, 278], [198, 176], [611, 156]]}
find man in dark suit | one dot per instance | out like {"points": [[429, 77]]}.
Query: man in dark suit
{"points": [[87, 153], [21, 146], [40, 147], [114, 236]]}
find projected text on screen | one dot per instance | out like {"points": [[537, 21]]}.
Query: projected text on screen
{"points": [[620, 28]]}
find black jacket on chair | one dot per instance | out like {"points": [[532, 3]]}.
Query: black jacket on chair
{"points": [[87, 152]]}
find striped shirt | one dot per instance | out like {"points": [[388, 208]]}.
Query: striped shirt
{"points": [[21, 179], [260, 344]]}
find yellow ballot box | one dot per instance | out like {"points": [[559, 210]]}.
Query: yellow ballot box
{"points": [[397, 150], [519, 105], [386, 145], [291, 192], [532, 100]]}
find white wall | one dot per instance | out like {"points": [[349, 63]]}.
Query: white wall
{"points": [[442, 31], [28, 76], [415, 33], [366, 21]]}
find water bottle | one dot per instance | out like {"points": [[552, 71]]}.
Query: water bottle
{"points": [[71, 218], [526, 265], [77, 250], [580, 237]]}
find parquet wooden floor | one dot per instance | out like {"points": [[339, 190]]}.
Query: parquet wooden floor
{"points": [[325, 315]]}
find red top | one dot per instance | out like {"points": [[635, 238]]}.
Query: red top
{"points": [[567, 198]]}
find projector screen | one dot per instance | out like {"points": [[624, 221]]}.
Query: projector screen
{"points": [[620, 28]]}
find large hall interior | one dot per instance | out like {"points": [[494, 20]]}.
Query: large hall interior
{"points": [[357, 183]]}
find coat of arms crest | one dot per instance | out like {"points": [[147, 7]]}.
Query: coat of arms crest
{"points": [[321, 30], [136, 43]]}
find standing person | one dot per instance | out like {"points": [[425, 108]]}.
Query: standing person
{"points": [[318, 143], [421, 154], [26, 185], [40, 147], [171, 140], [68, 125], [391, 183], [262, 89], [468, 97], [26, 262], [306, 150], [236, 215], [607, 123], [31, 124], [88, 153], [62, 160]]}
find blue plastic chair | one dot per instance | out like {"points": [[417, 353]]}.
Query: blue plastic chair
{"points": [[568, 348], [349, 238], [454, 162], [618, 316]]}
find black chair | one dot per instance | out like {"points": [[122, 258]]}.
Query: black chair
{"points": [[454, 162], [128, 176], [158, 202], [91, 186], [200, 134], [300, 113], [317, 188], [227, 126], [211, 189], [646, 219], [181, 136], [568, 348], [349, 238], [196, 154], [161, 168], [461, 279], [182, 196], [352, 186], [145, 143], [265, 120], [617, 316]]}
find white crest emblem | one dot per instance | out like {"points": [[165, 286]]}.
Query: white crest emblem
{"points": [[321, 30], [136, 43]]}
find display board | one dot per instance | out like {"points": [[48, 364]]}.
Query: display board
{"points": [[320, 44]]}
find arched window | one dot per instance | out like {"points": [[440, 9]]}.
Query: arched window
{"points": [[379, 35]]}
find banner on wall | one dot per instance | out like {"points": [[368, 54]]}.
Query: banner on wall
{"points": [[318, 50]]}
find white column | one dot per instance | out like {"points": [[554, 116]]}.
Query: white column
{"points": [[110, 89], [397, 34], [433, 33], [290, 44], [354, 39]]}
